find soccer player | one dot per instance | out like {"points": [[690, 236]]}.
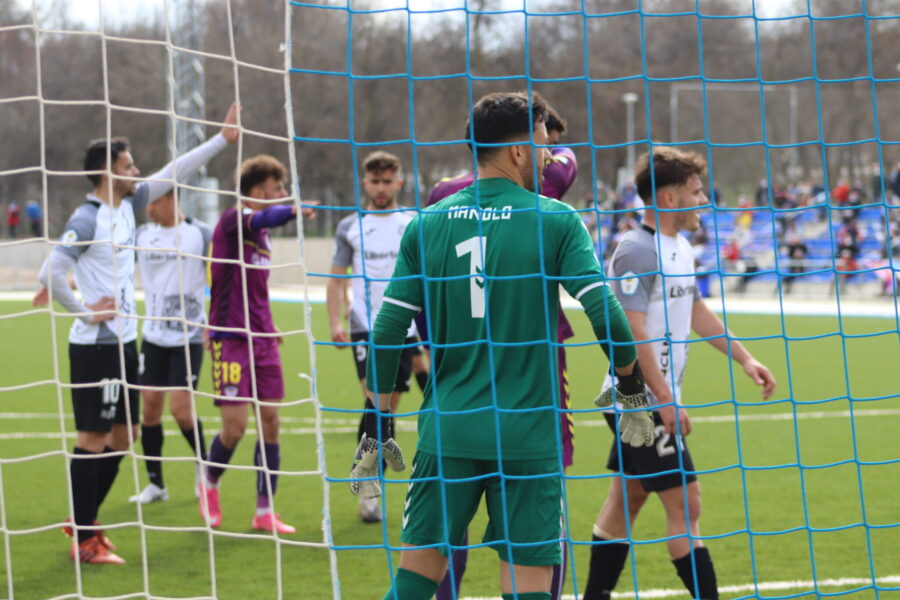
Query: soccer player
{"points": [[174, 280], [653, 267], [239, 377], [492, 257], [560, 169], [98, 244], [368, 245]]}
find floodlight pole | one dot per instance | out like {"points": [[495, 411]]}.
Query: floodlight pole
{"points": [[629, 99], [189, 93]]}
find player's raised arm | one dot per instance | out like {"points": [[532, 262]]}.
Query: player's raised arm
{"points": [[188, 163]]}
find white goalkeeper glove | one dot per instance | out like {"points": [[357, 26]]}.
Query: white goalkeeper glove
{"points": [[364, 478], [635, 426]]}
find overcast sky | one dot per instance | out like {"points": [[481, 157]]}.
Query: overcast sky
{"points": [[87, 12]]}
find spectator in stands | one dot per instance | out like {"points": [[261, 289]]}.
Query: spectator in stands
{"points": [[848, 237], [745, 219], [845, 267], [12, 219], [699, 239], [878, 182], [796, 253], [895, 180], [743, 264], [840, 193], [33, 212], [762, 192], [716, 197]]}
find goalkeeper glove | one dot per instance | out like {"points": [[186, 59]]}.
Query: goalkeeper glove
{"points": [[635, 426], [364, 479]]}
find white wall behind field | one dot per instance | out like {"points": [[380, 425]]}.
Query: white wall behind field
{"points": [[20, 262]]}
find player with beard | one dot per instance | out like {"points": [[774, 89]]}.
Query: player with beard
{"points": [[367, 245], [486, 263], [560, 169], [98, 245]]}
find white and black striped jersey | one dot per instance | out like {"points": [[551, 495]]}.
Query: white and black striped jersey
{"points": [[173, 276]]}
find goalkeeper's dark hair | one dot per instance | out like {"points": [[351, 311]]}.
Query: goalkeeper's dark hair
{"points": [[95, 155], [503, 117], [258, 169], [671, 166]]}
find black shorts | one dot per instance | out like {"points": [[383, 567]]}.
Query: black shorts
{"points": [[662, 456], [361, 353], [100, 405], [166, 366]]}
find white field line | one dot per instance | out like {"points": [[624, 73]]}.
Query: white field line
{"points": [[875, 308], [766, 586], [349, 425]]}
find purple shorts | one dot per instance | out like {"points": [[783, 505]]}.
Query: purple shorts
{"points": [[234, 381]]}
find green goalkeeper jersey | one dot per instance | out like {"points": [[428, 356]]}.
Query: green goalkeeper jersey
{"points": [[487, 263]]}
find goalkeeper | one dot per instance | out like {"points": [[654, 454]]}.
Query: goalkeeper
{"points": [[492, 257], [652, 274]]}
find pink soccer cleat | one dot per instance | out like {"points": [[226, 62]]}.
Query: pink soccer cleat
{"points": [[101, 536], [210, 509], [93, 551], [271, 522]]}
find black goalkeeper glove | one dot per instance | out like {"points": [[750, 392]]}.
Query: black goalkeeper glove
{"points": [[636, 426], [364, 480]]}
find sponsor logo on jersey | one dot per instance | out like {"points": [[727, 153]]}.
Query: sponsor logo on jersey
{"points": [[69, 237], [678, 291], [629, 283], [373, 255]]}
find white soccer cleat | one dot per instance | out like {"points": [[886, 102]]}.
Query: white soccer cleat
{"points": [[151, 493], [370, 510]]}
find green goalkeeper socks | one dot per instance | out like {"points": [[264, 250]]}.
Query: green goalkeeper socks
{"points": [[528, 596], [412, 586]]}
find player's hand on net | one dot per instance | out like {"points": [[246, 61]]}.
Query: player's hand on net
{"points": [[636, 425]]}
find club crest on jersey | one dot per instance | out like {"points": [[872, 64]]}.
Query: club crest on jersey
{"points": [[629, 283], [69, 237], [231, 391]]}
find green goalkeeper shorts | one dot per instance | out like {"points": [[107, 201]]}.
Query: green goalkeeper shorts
{"points": [[523, 513]]}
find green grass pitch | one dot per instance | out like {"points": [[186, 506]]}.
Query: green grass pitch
{"points": [[816, 497]]}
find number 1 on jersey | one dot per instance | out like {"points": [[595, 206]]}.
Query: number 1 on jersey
{"points": [[475, 247]]}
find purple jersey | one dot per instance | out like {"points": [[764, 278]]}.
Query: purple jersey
{"points": [[227, 290], [449, 186], [559, 173]]}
